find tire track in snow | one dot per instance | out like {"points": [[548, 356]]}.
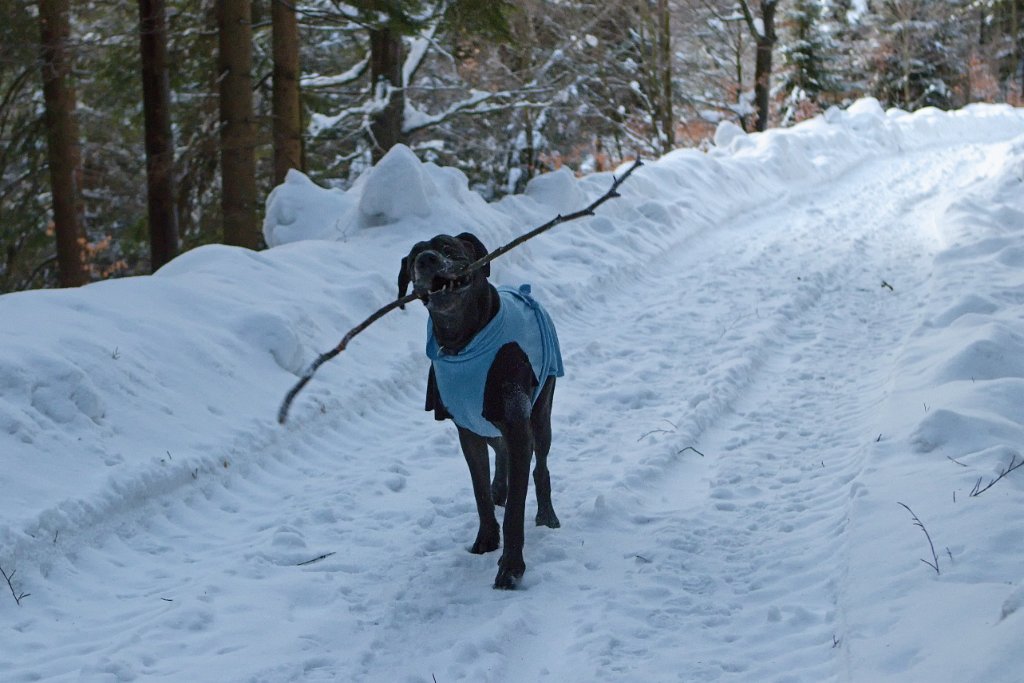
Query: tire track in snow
{"points": [[756, 552]]}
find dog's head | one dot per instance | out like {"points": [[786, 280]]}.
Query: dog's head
{"points": [[460, 303], [435, 269]]}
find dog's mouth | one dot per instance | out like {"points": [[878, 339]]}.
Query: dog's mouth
{"points": [[448, 284]]}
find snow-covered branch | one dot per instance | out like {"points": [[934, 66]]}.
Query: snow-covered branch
{"points": [[478, 102], [345, 78]]}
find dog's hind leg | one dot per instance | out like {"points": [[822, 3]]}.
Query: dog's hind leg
{"points": [[474, 447], [499, 485], [540, 422]]}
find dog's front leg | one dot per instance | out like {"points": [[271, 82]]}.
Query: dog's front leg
{"points": [[518, 437], [474, 447]]}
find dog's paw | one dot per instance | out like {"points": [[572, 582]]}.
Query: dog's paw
{"points": [[548, 518], [487, 539], [509, 573]]}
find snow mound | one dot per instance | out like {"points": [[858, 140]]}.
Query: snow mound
{"points": [[396, 188], [412, 198], [967, 310], [301, 209], [558, 191], [959, 433], [726, 132]]}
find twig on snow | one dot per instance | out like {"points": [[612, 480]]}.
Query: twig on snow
{"points": [[918, 523], [315, 559], [690, 448], [658, 431], [10, 578], [978, 489], [282, 413]]}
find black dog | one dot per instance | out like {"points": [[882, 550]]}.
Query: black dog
{"points": [[495, 358]]}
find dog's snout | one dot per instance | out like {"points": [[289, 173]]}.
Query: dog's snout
{"points": [[427, 260], [429, 265]]}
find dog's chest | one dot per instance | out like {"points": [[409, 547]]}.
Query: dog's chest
{"points": [[462, 377]]}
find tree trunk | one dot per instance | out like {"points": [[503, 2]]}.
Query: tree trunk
{"points": [[156, 102], [668, 124], [1018, 46], [386, 77], [287, 106], [738, 64], [62, 138], [763, 64], [238, 130], [905, 63]]}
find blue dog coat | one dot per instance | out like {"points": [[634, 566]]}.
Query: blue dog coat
{"points": [[461, 377]]}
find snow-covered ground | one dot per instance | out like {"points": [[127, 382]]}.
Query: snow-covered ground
{"points": [[769, 348]]}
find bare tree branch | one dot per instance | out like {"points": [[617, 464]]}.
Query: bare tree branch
{"points": [[10, 578], [978, 489]]}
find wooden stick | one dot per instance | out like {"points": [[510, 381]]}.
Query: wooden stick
{"points": [[282, 413], [557, 220]]}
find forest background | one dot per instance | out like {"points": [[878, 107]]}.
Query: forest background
{"points": [[130, 132]]}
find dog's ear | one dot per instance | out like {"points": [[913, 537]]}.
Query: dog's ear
{"points": [[478, 249], [403, 279]]}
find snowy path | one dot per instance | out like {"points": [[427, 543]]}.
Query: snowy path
{"points": [[711, 555], [670, 565]]}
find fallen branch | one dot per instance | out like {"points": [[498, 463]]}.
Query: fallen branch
{"points": [[9, 578], [315, 559], [978, 489], [918, 523], [282, 414]]}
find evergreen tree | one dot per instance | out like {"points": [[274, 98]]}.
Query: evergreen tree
{"points": [[26, 251], [921, 60], [807, 54]]}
